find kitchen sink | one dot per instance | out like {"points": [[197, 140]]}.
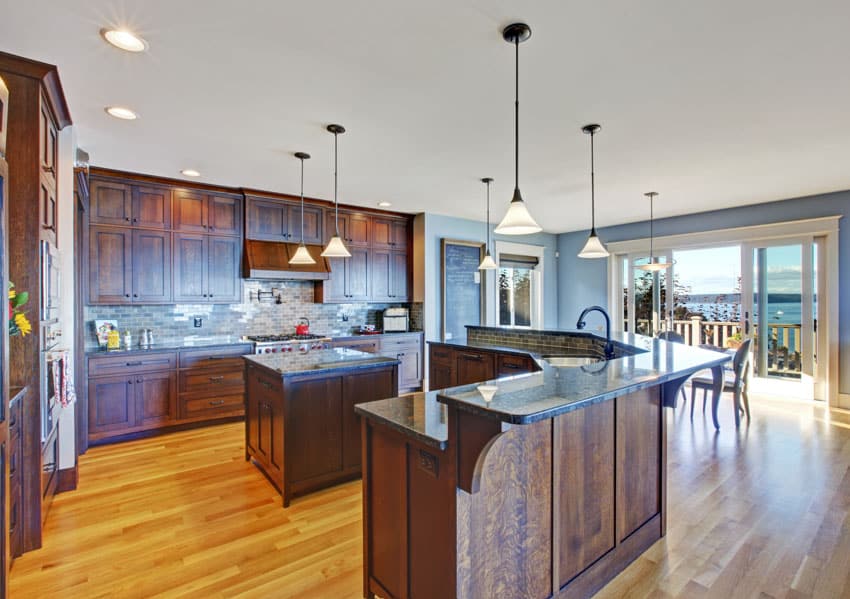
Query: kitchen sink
{"points": [[571, 361]]}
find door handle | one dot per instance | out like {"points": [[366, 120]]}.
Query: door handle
{"points": [[216, 379], [217, 402]]}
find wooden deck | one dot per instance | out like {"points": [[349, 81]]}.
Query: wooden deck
{"points": [[759, 512]]}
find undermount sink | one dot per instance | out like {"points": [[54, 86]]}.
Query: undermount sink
{"points": [[570, 361]]}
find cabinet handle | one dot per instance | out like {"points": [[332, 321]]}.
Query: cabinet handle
{"points": [[217, 357], [139, 363], [135, 295], [129, 382], [216, 379], [265, 384], [138, 380], [475, 357], [217, 402], [135, 220], [126, 295], [127, 218], [510, 365]]}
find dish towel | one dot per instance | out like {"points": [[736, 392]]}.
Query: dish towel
{"points": [[63, 378]]}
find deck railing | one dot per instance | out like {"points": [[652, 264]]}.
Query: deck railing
{"points": [[783, 354]]}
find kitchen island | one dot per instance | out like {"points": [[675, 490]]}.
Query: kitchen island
{"points": [[545, 484], [300, 427]]}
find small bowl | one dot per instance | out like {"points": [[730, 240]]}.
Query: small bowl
{"points": [[487, 392]]}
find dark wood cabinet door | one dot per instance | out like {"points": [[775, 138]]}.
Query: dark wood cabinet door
{"points": [[512, 365], [151, 266], [585, 495], [110, 265], [382, 232], [254, 405], [151, 207], [359, 387], [334, 289], [332, 223], [268, 220], [358, 228], [474, 367], [49, 143], [313, 431], [190, 267], [382, 275], [48, 211], [224, 282], [190, 210], [225, 215], [313, 219], [410, 368], [112, 404], [357, 274], [399, 277], [110, 203], [156, 398], [442, 376], [399, 236], [638, 459]]}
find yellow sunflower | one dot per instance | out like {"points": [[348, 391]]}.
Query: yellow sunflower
{"points": [[23, 324]]}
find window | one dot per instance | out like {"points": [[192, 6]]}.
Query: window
{"points": [[518, 282]]}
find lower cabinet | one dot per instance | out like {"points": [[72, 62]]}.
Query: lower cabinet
{"points": [[301, 430], [406, 347], [474, 366], [454, 365], [146, 391]]}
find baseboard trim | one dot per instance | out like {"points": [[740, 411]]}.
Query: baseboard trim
{"points": [[843, 401], [67, 479]]}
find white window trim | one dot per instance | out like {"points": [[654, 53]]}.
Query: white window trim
{"points": [[537, 278], [826, 227]]}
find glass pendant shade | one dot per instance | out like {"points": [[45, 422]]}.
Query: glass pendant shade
{"points": [[593, 248], [487, 263], [302, 256], [654, 265], [336, 249], [517, 220]]}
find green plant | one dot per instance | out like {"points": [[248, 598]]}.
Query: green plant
{"points": [[18, 323]]}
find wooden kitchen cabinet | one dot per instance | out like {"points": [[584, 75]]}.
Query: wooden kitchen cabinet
{"points": [[314, 445], [441, 365], [151, 266], [452, 365], [114, 203], [405, 347], [129, 266], [349, 280], [121, 404], [190, 211], [390, 274], [389, 233], [156, 399], [474, 367], [354, 228], [264, 423], [206, 268], [224, 215], [151, 207], [198, 212], [279, 220]]}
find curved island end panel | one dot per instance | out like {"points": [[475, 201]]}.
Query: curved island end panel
{"points": [[540, 485]]}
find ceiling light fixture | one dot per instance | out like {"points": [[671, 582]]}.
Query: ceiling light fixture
{"points": [[302, 255], [593, 248], [487, 263], [124, 40], [385, 204], [190, 172], [517, 220], [120, 112], [654, 264], [336, 248]]}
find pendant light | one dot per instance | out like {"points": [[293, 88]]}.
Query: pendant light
{"points": [[487, 263], [336, 248], [653, 265], [593, 248], [517, 220], [302, 255]]}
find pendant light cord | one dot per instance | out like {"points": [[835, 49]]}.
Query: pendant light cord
{"points": [[516, 116], [336, 201], [488, 216], [592, 190], [302, 201]]}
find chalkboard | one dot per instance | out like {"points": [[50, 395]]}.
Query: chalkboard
{"points": [[463, 297]]}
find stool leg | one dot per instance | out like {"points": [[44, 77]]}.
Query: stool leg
{"points": [[693, 399]]}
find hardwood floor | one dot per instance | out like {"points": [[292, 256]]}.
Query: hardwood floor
{"points": [[759, 512]]}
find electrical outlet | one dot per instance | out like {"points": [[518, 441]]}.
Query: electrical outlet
{"points": [[198, 321]]}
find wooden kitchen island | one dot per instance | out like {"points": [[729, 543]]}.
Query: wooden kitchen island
{"points": [[300, 427], [547, 488]]}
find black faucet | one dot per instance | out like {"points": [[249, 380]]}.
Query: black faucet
{"points": [[609, 345]]}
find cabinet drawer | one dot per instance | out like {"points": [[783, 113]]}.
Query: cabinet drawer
{"points": [[510, 365], [131, 363], [443, 355], [266, 383], [389, 343], [212, 406], [212, 381], [365, 345], [221, 357]]}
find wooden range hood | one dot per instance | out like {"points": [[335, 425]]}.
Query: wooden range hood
{"points": [[271, 260]]}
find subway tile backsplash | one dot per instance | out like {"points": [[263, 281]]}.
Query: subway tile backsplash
{"points": [[251, 317]]}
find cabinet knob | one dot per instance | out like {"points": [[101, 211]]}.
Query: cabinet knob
{"points": [[126, 295], [135, 220], [138, 380], [135, 295], [212, 228], [211, 295], [217, 402], [127, 218]]}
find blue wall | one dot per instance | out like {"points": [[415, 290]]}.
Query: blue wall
{"points": [[585, 282], [438, 227]]}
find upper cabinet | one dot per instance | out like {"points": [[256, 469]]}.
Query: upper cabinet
{"points": [[354, 228], [115, 203], [270, 219], [389, 233], [197, 212]]}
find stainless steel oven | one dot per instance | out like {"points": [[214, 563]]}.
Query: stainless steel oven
{"points": [[50, 292], [49, 341]]}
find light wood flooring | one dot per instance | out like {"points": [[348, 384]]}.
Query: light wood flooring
{"points": [[758, 512]]}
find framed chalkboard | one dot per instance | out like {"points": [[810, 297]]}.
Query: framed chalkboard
{"points": [[463, 296]]}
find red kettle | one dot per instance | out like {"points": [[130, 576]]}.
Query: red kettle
{"points": [[303, 327]]}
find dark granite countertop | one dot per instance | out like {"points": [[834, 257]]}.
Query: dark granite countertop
{"points": [[527, 398], [170, 345], [318, 360], [348, 336], [418, 415]]}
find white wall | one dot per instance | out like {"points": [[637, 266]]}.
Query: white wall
{"points": [[68, 149]]}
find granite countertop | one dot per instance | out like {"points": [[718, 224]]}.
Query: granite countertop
{"points": [[170, 345], [318, 360], [418, 415], [528, 398], [347, 336]]}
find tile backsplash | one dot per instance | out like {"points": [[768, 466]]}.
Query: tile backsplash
{"points": [[251, 317]]}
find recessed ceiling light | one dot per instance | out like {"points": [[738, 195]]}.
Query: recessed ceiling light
{"points": [[125, 40], [119, 112], [190, 172], [385, 204]]}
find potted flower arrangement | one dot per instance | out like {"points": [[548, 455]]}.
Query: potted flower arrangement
{"points": [[18, 323]]}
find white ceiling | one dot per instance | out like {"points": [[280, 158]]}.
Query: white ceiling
{"points": [[713, 104]]}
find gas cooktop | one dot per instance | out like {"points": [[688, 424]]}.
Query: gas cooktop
{"points": [[282, 338]]}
